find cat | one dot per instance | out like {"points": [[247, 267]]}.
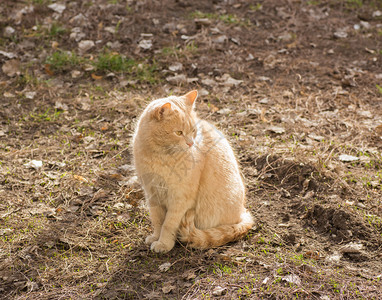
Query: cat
{"points": [[190, 177]]}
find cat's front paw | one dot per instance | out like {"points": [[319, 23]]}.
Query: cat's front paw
{"points": [[160, 247], [151, 239]]}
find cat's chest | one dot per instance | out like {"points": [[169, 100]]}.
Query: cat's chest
{"points": [[180, 167]]}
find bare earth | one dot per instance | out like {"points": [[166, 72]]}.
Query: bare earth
{"points": [[295, 85]]}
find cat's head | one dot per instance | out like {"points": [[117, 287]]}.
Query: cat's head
{"points": [[171, 123]]}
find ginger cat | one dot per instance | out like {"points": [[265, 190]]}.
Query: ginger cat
{"points": [[190, 177]]}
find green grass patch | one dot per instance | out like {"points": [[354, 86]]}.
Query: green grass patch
{"points": [[379, 88], [47, 116], [114, 62], [56, 30], [226, 18], [354, 3], [63, 60], [186, 51]]}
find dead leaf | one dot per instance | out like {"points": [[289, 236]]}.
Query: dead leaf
{"points": [[164, 267], [378, 130], [291, 278], [11, 68], [168, 288], [189, 275], [219, 291], [48, 70], [80, 178], [262, 116], [96, 77], [54, 45], [312, 254]]}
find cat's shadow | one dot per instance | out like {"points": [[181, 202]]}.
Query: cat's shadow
{"points": [[146, 274]]}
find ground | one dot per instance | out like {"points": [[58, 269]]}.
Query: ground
{"points": [[295, 85]]}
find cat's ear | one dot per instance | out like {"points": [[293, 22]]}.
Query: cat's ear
{"points": [[161, 111], [191, 97]]}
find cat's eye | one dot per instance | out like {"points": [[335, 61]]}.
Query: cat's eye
{"points": [[179, 132]]}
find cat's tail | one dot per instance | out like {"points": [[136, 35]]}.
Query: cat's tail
{"points": [[212, 237]]}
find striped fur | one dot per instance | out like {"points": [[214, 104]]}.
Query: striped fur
{"points": [[212, 237]]}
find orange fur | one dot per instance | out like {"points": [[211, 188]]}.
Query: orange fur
{"points": [[190, 176]]}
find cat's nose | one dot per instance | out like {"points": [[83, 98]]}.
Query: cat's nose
{"points": [[190, 143]]}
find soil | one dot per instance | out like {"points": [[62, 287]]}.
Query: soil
{"points": [[295, 85]]}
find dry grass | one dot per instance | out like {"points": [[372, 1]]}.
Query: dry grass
{"points": [[75, 228]]}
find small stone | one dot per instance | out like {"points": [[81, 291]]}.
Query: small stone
{"points": [[219, 291], [286, 37], [85, 45], [334, 258], [209, 82], [365, 113], [177, 79], [114, 45], [76, 74], [8, 95], [73, 208], [203, 92], [352, 247], [224, 111], [249, 57], [9, 31], [145, 44], [119, 205], [316, 137], [57, 7], [34, 164], [377, 14], [340, 34], [78, 20], [12, 55], [30, 95], [292, 278], [202, 22], [276, 129], [175, 67], [60, 106], [365, 24], [347, 158], [360, 205], [229, 81], [110, 29], [265, 281], [221, 39]]}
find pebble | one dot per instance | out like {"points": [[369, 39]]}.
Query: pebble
{"points": [[57, 7], [86, 45], [181, 78], [175, 67], [340, 34], [9, 31], [347, 158], [145, 44]]}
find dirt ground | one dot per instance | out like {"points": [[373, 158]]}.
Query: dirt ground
{"points": [[295, 85]]}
